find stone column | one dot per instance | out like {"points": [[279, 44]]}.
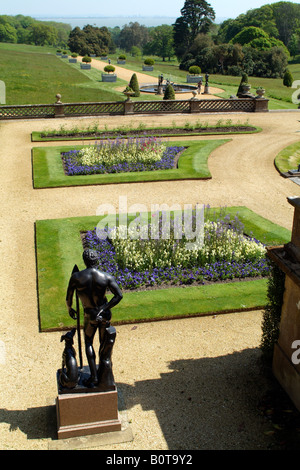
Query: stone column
{"points": [[59, 107], [286, 359]]}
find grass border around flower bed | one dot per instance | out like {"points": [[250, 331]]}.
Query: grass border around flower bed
{"points": [[36, 136], [59, 247], [47, 168], [282, 163]]}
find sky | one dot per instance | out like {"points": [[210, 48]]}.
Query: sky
{"points": [[95, 8]]}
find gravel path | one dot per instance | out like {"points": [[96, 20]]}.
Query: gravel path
{"points": [[187, 384]]}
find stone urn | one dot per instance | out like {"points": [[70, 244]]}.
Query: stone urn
{"points": [[260, 92], [246, 88]]}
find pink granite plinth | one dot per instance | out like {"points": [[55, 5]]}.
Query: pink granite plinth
{"points": [[82, 414]]}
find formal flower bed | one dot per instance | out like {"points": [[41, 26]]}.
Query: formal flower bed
{"points": [[118, 156], [223, 252]]}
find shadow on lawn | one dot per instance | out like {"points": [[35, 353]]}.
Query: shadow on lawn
{"points": [[215, 403]]}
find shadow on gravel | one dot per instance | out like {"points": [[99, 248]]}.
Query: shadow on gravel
{"points": [[225, 403], [230, 402]]}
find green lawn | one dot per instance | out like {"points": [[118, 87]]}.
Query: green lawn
{"points": [[48, 170], [34, 75], [280, 96], [288, 158], [59, 247], [36, 78]]}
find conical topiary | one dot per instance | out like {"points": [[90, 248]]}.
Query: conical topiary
{"points": [[288, 79], [134, 85], [244, 80], [169, 93]]}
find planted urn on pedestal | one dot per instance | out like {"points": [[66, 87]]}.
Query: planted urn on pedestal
{"points": [[73, 58], [109, 76], [86, 63], [122, 59], [260, 91], [148, 65], [194, 74]]}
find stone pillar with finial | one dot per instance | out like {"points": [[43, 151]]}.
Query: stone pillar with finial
{"points": [[59, 107]]}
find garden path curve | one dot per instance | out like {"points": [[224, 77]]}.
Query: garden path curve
{"points": [[216, 391]]}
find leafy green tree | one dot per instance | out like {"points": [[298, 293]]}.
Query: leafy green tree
{"points": [[248, 34], [8, 33], [161, 42], [196, 17], [294, 45], [41, 34], [279, 20], [90, 40], [287, 17], [133, 34], [135, 51]]}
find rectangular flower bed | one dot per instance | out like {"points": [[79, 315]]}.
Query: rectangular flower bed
{"points": [[48, 170], [154, 292]]}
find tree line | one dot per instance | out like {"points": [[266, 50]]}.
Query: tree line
{"points": [[259, 42], [26, 30]]}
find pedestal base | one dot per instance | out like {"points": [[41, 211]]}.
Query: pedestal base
{"points": [[82, 414], [287, 374]]}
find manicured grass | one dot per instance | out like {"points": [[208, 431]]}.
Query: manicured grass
{"points": [[74, 134], [59, 247], [36, 78], [34, 75], [280, 97], [48, 170], [288, 158]]}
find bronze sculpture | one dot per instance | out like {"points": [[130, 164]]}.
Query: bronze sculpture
{"points": [[68, 375], [91, 286]]}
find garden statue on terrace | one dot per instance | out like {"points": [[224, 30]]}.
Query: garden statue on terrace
{"points": [[91, 285]]}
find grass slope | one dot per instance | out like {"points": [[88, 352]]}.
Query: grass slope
{"points": [[59, 247], [36, 78], [34, 75]]}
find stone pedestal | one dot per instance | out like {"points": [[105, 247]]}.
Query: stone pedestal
{"points": [[285, 366], [84, 410], [82, 414]]}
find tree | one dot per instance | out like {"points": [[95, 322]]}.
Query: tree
{"points": [[7, 33], [161, 42], [287, 17], [90, 40], [294, 45], [133, 34], [279, 20], [41, 34], [196, 17], [248, 34]]}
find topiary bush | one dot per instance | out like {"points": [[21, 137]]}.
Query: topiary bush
{"points": [[122, 57], [288, 79], [109, 68], [134, 85], [195, 70], [169, 93], [149, 61], [86, 59], [244, 81]]}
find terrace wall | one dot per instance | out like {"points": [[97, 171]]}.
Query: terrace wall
{"points": [[38, 111]]}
